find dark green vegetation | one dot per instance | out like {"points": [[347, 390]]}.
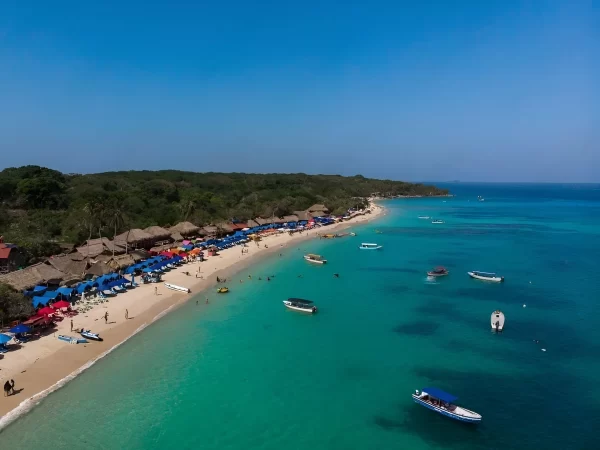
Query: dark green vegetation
{"points": [[13, 305], [41, 207]]}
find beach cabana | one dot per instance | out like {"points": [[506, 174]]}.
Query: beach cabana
{"points": [[40, 301], [184, 228], [65, 291], [19, 329], [45, 311], [158, 233], [84, 287]]}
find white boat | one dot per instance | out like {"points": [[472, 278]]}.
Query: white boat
{"points": [[367, 246], [437, 221], [174, 287], [315, 259], [424, 217], [443, 403], [298, 304], [486, 276], [497, 321]]}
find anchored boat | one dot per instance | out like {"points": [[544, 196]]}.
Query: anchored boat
{"points": [[436, 221], [174, 287], [438, 272], [223, 290], [315, 259], [367, 246], [443, 403], [298, 304], [497, 321], [485, 276]]}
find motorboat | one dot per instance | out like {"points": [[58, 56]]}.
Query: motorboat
{"points": [[174, 287], [437, 221], [71, 340], [352, 234], [89, 335], [443, 403], [424, 217], [438, 272], [223, 290], [497, 321], [485, 276], [315, 259], [367, 246], [298, 304]]}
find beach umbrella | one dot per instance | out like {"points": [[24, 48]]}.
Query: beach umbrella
{"points": [[45, 311], [4, 338], [20, 329], [61, 304]]}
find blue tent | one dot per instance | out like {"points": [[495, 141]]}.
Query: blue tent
{"points": [[51, 294], [20, 329], [65, 291], [440, 395], [39, 289], [4, 338], [82, 287], [132, 269], [37, 301]]}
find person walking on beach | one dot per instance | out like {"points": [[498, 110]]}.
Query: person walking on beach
{"points": [[155, 290], [12, 386], [71, 324], [106, 317], [126, 314]]}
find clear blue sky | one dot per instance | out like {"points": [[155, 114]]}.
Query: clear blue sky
{"points": [[475, 91]]}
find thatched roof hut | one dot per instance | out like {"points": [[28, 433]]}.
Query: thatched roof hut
{"points": [[319, 209], [184, 228], [31, 276], [120, 262], [303, 215], [67, 265], [133, 236], [224, 226], [158, 232], [261, 221], [278, 220], [164, 247], [291, 218], [98, 269], [99, 246], [138, 254], [252, 223], [177, 237], [210, 230]]}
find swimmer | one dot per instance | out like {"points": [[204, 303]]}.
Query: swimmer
{"points": [[336, 275]]}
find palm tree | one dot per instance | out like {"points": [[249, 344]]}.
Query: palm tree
{"points": [[117, 220], [187, 207]]}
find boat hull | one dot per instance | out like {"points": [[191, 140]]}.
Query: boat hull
{"points": [[174, 287], [370, 248], [445, 412], [92, 337], [304, 310], [491, 279], [314, 261], [433, 274]]}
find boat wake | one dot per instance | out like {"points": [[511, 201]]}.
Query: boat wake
{"points": [[430, 280], [27, 405]]}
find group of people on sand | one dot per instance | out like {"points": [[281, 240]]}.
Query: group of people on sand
{"points": [[9, 388]]}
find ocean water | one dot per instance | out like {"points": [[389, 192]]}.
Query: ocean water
{"points": [[244, 372]]}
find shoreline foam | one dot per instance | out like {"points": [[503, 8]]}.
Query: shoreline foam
{"points": [[58, 377]]}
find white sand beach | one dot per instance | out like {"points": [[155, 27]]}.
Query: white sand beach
{"points": [[40, 364]]}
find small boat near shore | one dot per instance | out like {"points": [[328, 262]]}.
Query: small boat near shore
{"points": [[438, 272], [71, 340], [89, 335], [437, 221], [424, 217], [486, 276], [443, 403], [497, 321], [223, 290], [298, 304], [315, 259], [367, 246], [174, 287]]}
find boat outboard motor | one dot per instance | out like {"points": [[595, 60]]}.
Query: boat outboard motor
{"points": [[497, 325]]}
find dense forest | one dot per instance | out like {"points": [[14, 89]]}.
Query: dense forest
{"points": [[41, 207]]}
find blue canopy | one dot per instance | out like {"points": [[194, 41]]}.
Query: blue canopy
{"points": [[20, 329], [4, 338], [40, 288], [440, 395], [37, 301], [51, 294], [84, 287], [65, 291], [132, 269]]}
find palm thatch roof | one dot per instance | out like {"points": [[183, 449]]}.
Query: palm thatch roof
{"points": [[120, 262], [99, 246], [184, 228], [261, 221], [210, 230], [303, 215], [318, 208], [98, 269], [252, 223], [292, 218], [139, 254], [31, 276], [67, 265], [133, 236], [164, 247], [225, 227], [177, 237], [158, 232], [278, 220]]}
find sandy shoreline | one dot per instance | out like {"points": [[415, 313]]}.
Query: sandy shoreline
{"points": [[44, 365]]}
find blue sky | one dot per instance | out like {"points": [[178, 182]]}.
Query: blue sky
{"points": [[475, 91]]}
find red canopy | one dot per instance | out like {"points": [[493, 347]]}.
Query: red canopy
{"points": [[45, 311], [167, 254], [183, 254], [61, 304]]}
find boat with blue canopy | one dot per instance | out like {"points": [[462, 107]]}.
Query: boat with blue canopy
{"points": [[443, 403]]}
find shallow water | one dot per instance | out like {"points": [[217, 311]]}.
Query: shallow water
{"points": [[243, 372]]}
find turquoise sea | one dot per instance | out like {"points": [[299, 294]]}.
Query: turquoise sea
{"points": [[244, 372]]}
